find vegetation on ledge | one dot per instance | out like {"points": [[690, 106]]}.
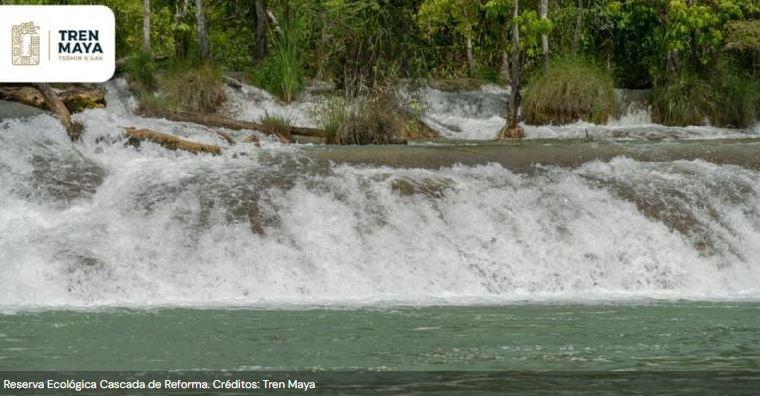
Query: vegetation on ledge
{"points": [[726, 97], [572, 90]]}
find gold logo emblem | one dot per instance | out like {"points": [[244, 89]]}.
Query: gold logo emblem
{"points": [[25, 44]]}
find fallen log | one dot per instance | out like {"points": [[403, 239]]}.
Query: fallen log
{"points": [[284, 132], [75, 99], [54, 104], [235, 84], [170, 142], [227, 137]]}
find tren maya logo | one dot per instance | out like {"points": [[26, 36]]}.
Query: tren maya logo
{"points": [[25, 39], [57, 43]]}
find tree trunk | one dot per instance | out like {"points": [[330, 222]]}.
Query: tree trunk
{"points": [[170, 142], [470, 57], [181, 41], [505, 74], [578, 27], [56, 106], [218, 121], [203, 50], [544, 10], [512, 129], [146, 47], [75, 99], [323, 43], [260, 44]]}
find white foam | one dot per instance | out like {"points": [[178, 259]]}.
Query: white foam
{"points": [[252, 104], [173, 229]]}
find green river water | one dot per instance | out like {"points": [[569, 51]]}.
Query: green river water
{"points": [[690, 347]]}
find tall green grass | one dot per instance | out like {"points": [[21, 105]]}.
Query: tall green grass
{"points": [[282, 72], [721, 96], [572, 90]]}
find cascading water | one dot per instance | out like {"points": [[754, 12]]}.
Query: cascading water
{"points": [[477, 114], [102, 223]]}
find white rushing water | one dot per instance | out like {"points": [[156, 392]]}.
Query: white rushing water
{"points": [[99, 223], [477, 115]]}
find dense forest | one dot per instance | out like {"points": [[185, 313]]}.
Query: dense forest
{"points": [[562, 58]]}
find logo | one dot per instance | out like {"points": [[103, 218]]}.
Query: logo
{"points": [[74, 43], [25, 44]]}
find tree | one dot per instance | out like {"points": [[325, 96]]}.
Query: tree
{"points": [[511, 129], [435, 14], [146, 28], [578, 27], [260, 42], [180, 29], [203, 50], [544, 12]]}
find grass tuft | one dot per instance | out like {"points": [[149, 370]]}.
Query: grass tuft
{"points": [[275, 120], [194, 86], [572, 90]]}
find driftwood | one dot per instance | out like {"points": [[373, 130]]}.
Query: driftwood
{"points": [[54, 104], [283, 132], [232, 82], [75, 99], [170, 142], [227, 137]]}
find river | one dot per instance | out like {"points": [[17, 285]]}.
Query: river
{"points": [[635, 248]]}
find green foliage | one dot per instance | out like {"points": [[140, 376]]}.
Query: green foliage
{"points": [[743, 35], [434, 15], [282, 73], [724, 96], [685, 100], [531, 29], [694, 27], [363, 44], [141, 71], [194, 86], [230, 30], [572, 90]]}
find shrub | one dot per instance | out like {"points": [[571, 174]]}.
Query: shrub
{"points": [[727, 97], [685, 100], [572, 90], [141, 70], [194, 86], [361, 121]]}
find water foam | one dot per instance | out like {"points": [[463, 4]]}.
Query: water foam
{"points": [[100, 223]]}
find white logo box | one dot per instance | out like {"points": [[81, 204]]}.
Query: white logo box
{"points": [[57, 43]]}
